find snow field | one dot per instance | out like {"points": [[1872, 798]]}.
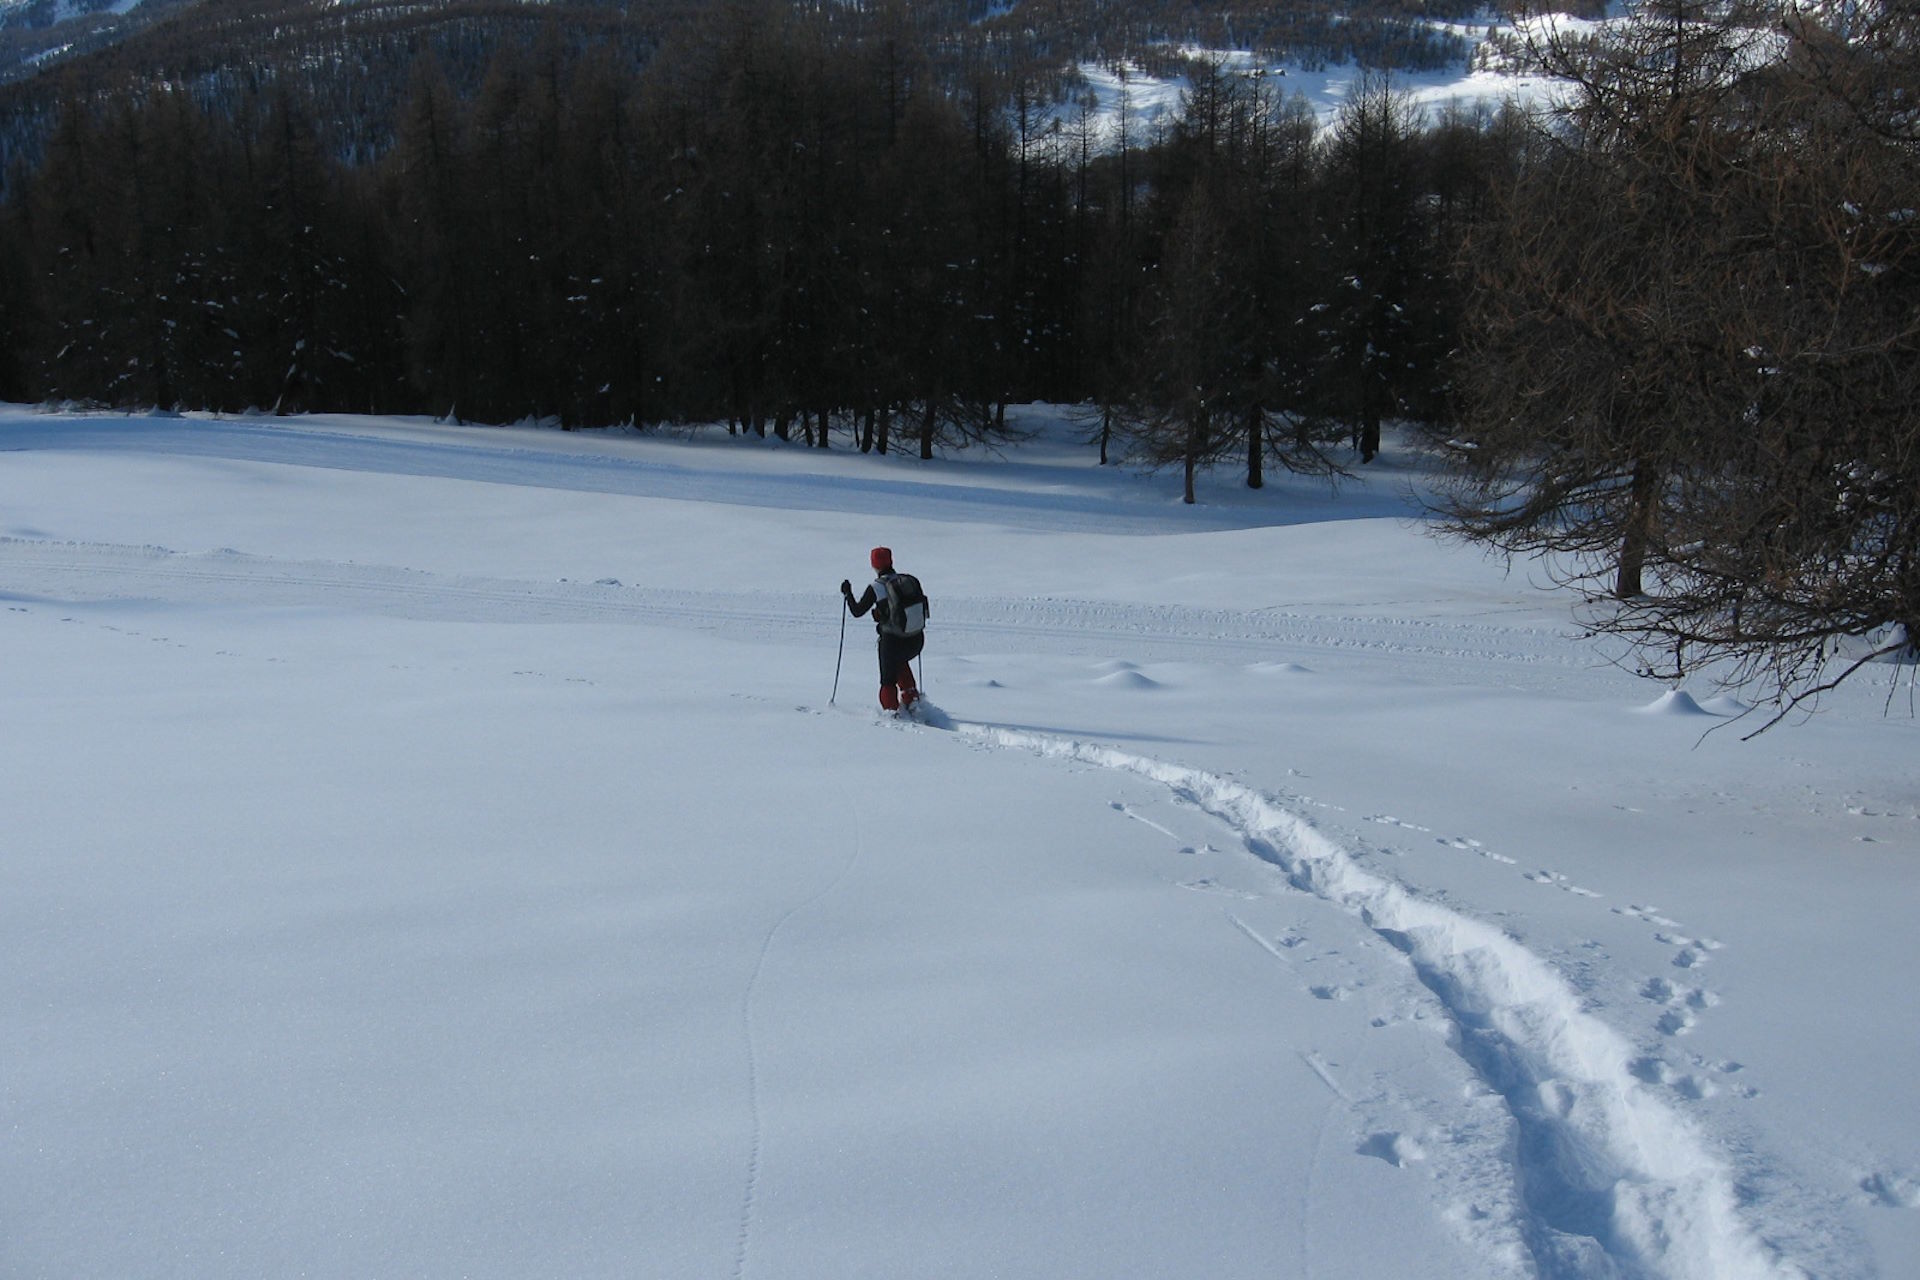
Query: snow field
{"points": [[431, 853]]}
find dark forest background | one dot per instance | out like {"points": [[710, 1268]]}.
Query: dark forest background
{"points": [[822, 221]]}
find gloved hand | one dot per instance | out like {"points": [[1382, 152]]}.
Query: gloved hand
{"points": [[846, 588]]}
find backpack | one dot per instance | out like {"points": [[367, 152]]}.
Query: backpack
{"points": [[906, 612]]}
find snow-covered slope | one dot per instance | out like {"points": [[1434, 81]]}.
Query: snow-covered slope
{"points": [[435, 852], [64, 10], [1484, 82]]}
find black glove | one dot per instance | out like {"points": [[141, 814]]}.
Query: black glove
{"points": [[846, 588]]}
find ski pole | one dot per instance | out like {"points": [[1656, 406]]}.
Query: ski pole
{"points": [[841, 657]]}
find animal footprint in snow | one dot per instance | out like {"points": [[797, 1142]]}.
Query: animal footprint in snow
{"points": [[1730, 1068], [1676, 1022], [1698, 1088], [1397, 1149], [1650, 914], [1693, 951], [1651, 1071], [1209, 885], [1658, 990], [1684, 1004], [1558, 881], [1894, 1190], [1468, 845]]}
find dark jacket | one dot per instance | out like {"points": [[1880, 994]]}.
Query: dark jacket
{"points": [[895, 651], [874, 599]]}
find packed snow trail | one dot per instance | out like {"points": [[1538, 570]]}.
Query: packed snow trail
{"points": [[1614, 1182]]}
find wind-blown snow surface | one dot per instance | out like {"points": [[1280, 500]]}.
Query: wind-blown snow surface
{"points": [[433, 852]]}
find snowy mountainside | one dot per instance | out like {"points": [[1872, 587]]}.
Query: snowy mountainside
{"points": [[39, 33], [54, 12], [1152, 101], [41, 12]]}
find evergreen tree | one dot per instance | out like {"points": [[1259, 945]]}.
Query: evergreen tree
{"points": [[1377, 246], [17, 321]]}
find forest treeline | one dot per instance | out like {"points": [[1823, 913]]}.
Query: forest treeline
{"points": [[771, 224]]}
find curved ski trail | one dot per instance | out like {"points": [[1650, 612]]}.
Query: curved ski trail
{"points": [[750, 1182], [1613, 1181]]}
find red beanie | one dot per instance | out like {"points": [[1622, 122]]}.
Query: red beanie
{"points": [[881, 559]]}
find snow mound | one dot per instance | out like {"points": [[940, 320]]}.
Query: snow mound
{"points": [[1725, 705], [1676, 703], [1279, 669], [1128, 679]]}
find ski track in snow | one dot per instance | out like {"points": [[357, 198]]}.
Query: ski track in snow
{"points": [[1612, 1180], [1680, 1004], [750, 1191]]}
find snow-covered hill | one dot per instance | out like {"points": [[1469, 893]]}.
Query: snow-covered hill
{"points": [[1152, 103], [37, 33], [41, 12], [437, 851]]}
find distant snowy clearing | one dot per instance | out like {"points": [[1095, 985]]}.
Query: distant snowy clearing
{"points": [[1486, 81]]}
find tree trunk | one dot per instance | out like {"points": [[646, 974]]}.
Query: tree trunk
{"points": [[1196, 438], [1638, 532], [926, 432], [1370, 431], [883, 431], [1256, 448]]}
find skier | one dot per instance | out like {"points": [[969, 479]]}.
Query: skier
{"points": [[899, 613]]}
